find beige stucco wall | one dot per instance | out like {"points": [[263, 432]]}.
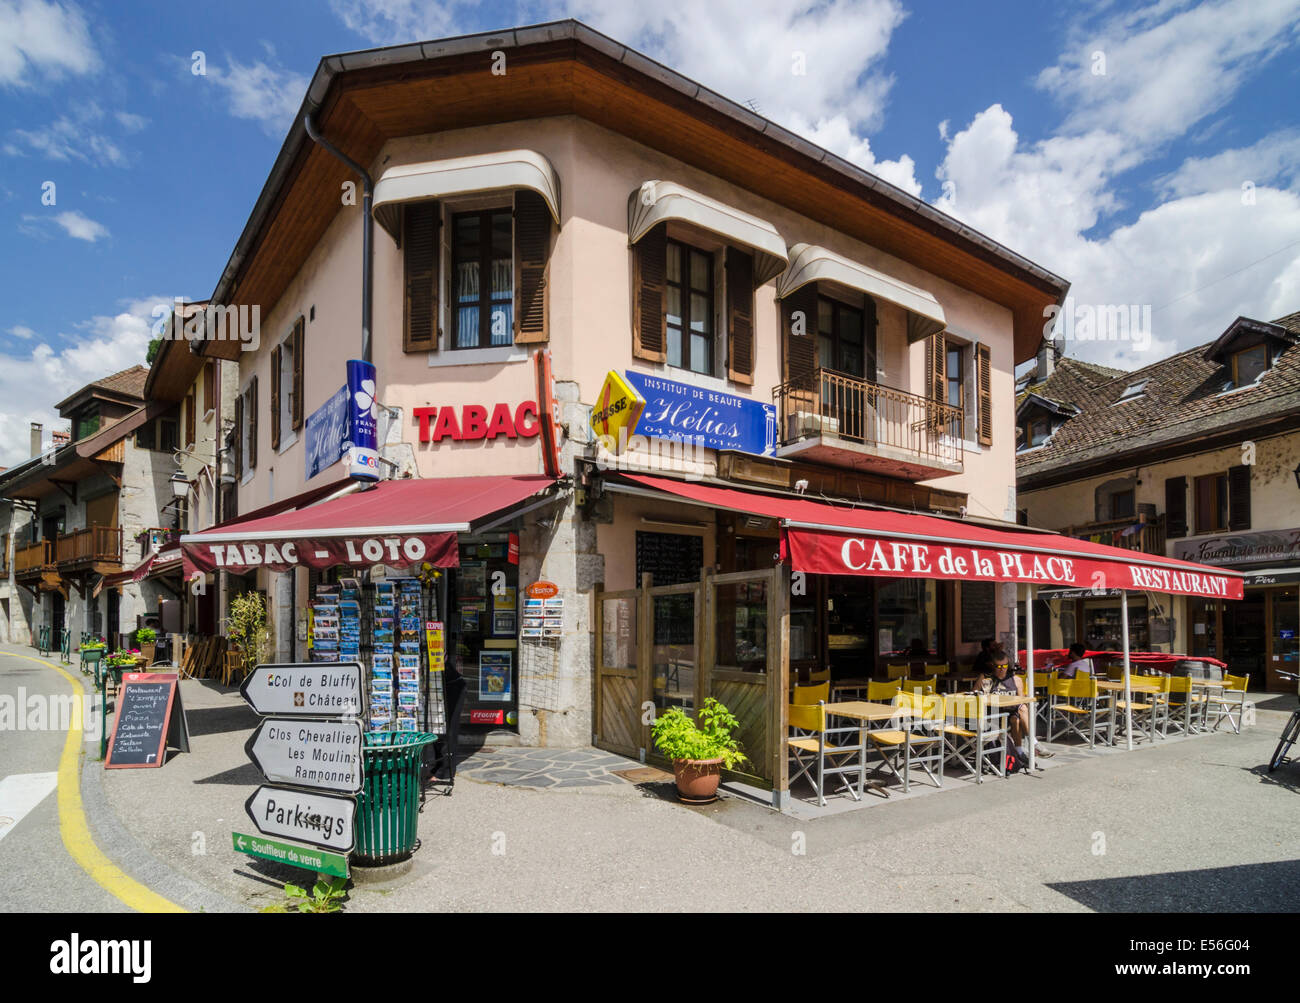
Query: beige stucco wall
{"points": [[1274, 498], [590, 314]]}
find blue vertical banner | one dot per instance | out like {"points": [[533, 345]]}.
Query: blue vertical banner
{"points": [[363, 425]]}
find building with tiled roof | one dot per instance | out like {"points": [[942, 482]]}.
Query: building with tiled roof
{"points": [[1195, 456]]}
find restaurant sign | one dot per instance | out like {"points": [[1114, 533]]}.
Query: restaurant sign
{"points": [[712, 419], [820, 552], [1242, 549]]}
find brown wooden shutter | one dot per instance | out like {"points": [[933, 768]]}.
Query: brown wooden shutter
{"points": [[252, 424], [1175, 507], [649, 324], [532, 256], [209, 385], [1239, 497], [275, 397], [934, 367], [800, 350], [191, 402], [420, 223], [740, 316], [299, 332], [239, 437], [984, 393]]}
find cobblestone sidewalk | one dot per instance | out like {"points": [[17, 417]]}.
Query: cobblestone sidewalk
{"points": [[545, 767]]}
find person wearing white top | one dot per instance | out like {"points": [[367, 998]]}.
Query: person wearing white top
{"points": [[1078, 664]]}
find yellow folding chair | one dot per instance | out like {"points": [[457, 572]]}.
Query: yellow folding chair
{"points": [[811, 747], [1231, 698], [976, 735], [916, 741], [883, 692], [920, 685], [811, 694], [897, 670]]}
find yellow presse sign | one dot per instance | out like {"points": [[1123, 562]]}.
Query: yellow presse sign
{"points": [[617, 409]]}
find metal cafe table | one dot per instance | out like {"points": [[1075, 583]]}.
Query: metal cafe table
{"points": [[864, 712]]}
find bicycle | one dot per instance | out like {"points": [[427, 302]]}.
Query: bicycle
{"points": [[1289, 734]]}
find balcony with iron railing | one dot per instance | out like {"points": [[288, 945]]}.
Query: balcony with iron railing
{"points": [[1142, 533], [847, 421]]}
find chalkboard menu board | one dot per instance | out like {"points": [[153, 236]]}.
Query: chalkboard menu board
{"points": [[979, 615], [148, 712], [673, 558]]}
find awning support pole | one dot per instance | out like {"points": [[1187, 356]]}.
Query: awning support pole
{"points": [[1030, 592], [1128, 694]]}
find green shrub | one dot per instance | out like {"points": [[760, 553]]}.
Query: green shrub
{"points": [[146, 635], [708, 737]]}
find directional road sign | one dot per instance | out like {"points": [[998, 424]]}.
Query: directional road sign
{"points": [[305, 689], [325, 755], [320, 819], [311, 857]]}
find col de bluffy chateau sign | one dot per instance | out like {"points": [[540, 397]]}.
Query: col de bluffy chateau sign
{"points": [[680, 412]]}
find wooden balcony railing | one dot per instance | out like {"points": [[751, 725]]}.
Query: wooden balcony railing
{"points": [[834, 405], [32, 557], [1144, 534], [98, 543]]}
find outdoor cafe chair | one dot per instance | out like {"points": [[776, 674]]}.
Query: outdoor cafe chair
{"points": [[919, 685], [922, 744], [817, 751], [1230, 699], [976, 735], [897, 670], [820, 676], [814, 693], [1185, 703], [1151, 708], [937, 669], [883, 692], [1071, 701]]}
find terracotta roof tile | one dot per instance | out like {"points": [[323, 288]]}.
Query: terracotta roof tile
{"points": [[1184, 396]]}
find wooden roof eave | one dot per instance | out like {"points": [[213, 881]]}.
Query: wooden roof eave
{"points": [[362, 99]]}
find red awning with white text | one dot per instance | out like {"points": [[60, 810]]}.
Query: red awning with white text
{"points": [[825, 538], [398, 523]]}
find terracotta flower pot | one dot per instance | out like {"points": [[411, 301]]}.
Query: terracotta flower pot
{"points": [[697, 779], [147, 651]]}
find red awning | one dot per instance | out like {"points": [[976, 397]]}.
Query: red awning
{"points": [[831, 539], [398, 523], [161, 562]]}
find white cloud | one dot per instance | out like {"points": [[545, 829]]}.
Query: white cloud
{"points": [[389, 22], [1275, 158], [266, 94], [130, 121], [74, 137], [51, 39], [82, 227], [21, 331], [1166, 68], [32, 382]]}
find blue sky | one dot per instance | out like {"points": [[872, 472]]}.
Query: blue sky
{"points": [[1129, 181]]}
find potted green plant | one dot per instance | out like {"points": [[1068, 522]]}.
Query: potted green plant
{"points": [[699, 749], [147, 639]]}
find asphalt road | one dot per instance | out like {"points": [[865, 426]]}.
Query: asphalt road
{"points": [[40, 874]]}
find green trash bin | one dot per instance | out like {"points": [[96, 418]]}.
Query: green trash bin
{"points": [[388, 806]]}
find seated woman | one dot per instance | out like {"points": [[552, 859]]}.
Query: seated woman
{"points": [[1002, 681]]}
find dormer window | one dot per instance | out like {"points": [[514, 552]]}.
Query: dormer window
{"points": [[1132, 391], [1039, 431], [1249, 365]]}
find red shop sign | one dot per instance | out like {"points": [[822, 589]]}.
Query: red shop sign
{"points": [[487, 717], [542, 590], [474, 423]]}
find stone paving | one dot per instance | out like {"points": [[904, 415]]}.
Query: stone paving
{"points": [[544, 767]]}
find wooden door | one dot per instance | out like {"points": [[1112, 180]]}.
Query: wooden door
{"points": [[616, 722]]}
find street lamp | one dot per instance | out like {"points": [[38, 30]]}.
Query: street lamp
{"points": [[180, 485]]}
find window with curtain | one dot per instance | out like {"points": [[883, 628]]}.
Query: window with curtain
{"points": [[483, 276], [840, 342]]}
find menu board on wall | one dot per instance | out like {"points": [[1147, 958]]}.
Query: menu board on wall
{"points": [[979, 615], [673, 558]]}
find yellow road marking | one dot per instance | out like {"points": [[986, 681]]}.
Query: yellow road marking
{"points": [[72, 818]]}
